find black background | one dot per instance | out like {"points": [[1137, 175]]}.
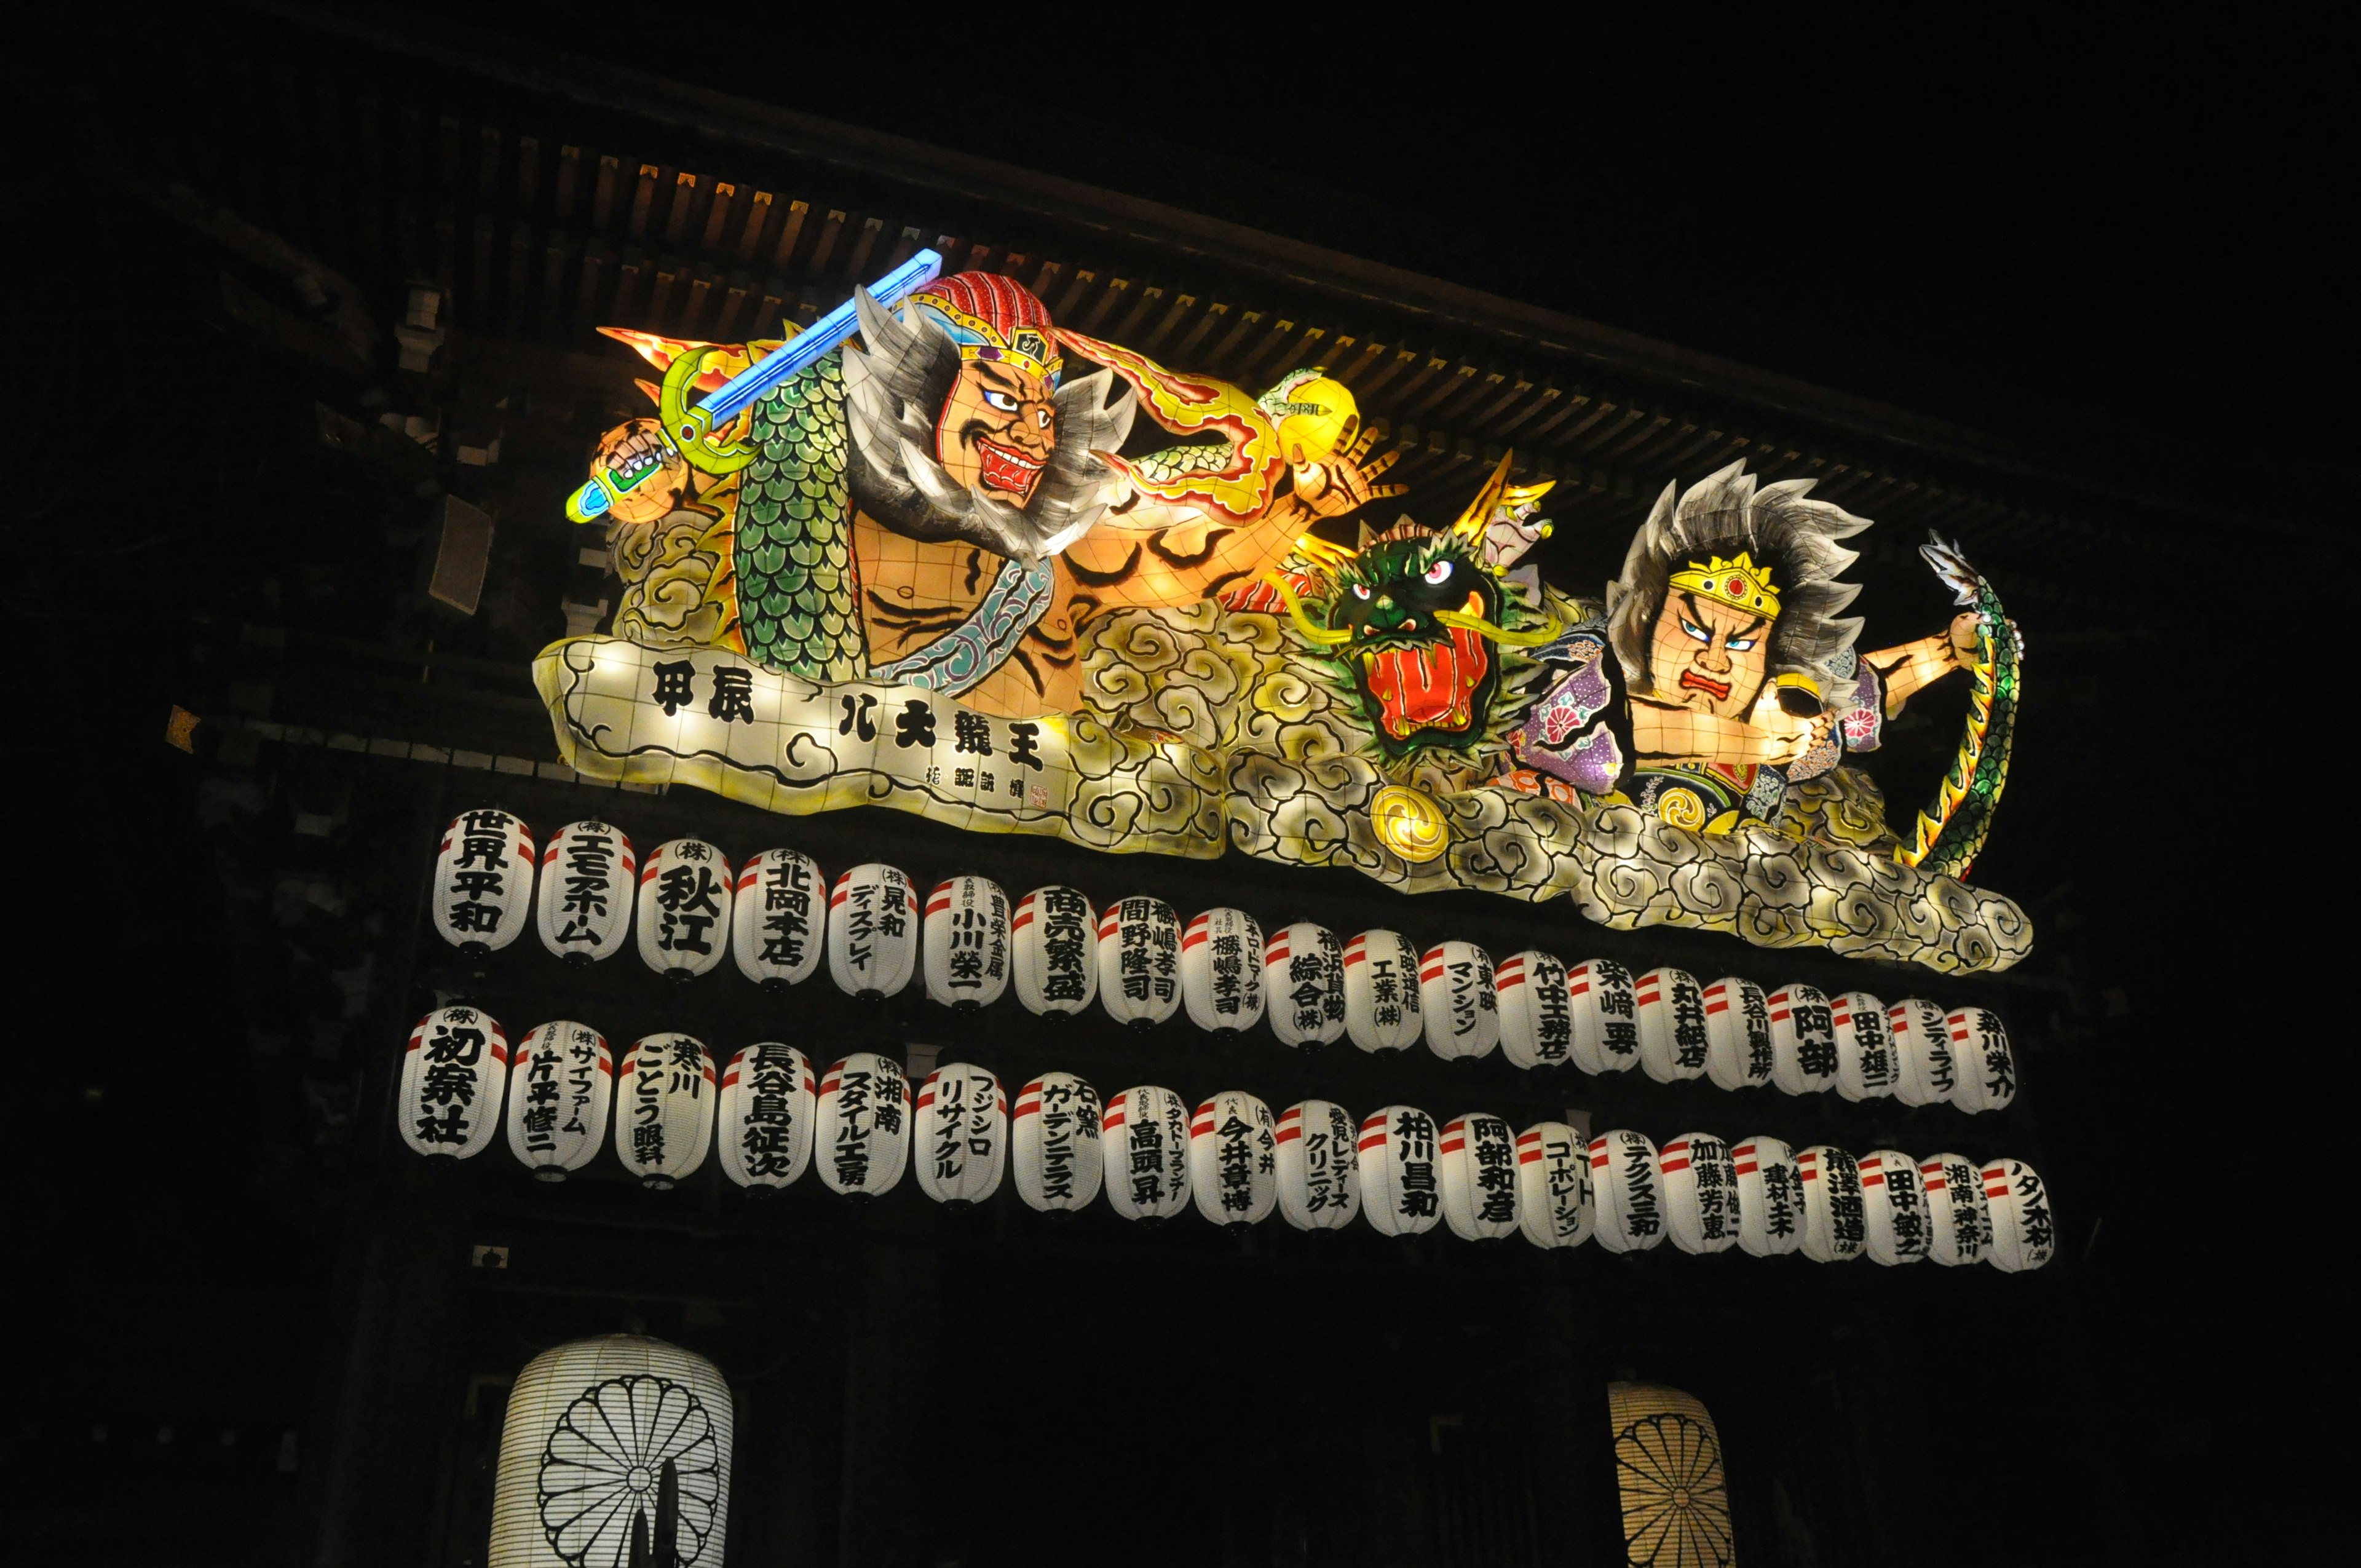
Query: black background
{"points": [[2112, 239]]}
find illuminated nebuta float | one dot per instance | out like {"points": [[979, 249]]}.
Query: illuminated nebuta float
{"points": [[914, 573]]}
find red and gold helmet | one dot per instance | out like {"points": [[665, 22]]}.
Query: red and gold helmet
{"points": [[997, 318]]}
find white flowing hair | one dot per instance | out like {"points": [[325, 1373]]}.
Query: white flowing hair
{"points": [[1724, 513]]}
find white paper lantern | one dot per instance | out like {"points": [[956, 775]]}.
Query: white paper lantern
{"points": [[1139, 961], [1536, 1014], [1147, 1148], [1234, 1159], [1958, 1224], [872, 931], [665, 1109], [1402, 1192], [1554, 1206], [1055, 966], [1894, 1208], [778, 920], [590, 1429], [684, 903], [1673, 1040], [483, 881], [1922, 1052], [1382, 1010], [1700, 1193], [1984, 1067], [1221, 972], [1803, 1040], [1606, 1016], [2023, 1227], [1476, 1160], [1770, 1197], [561, 1084], [963, 1134], [1319, 1164], [967, 943], [584, 910], [1835, 1226], [1865, 1068], [452, 1075], [1629, 1190], [1055, 1144], [862, 1144], [1738, 1034], [769, 1108], [1303, 985], [1463, 1014]]}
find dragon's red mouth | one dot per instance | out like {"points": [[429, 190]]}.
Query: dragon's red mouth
{"points": [[1428, 687], [1718, 690], [1006, 468]]}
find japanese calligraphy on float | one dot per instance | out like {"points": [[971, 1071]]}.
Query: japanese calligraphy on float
{"points": [[1221, 972], [483, 881], [1055, 932], [1145, 1138], [962, 1134], [778, 919], [1401, 1192], [588, 875], [966, 943], [1478, 1161], [665, 1109], [1130, 604], [1233, 1160], [769, 1106], [864, 1130], [1553, 1193], [872, 931], [452, 1076], [608, 1440], [1319, 1165], [560, 1083], [685, 895], [1054, 1139], [1303, 981]]}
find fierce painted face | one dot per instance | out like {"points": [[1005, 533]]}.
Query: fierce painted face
{"points": [[1423, 678], [998, 428], [1709, 655]]}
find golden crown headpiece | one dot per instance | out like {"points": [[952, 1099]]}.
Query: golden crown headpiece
{"points": [[1740, 584]]}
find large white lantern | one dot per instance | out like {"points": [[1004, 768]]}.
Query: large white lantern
{"points": [[967, 942], [1835, 1226], [1629, 1189], [1983, 1066], [452, 1075], [1463, 1015], [1536, 1014], [2024, 1228], [561, 1084], [778, 921], [683, 915], [1738, 1034], [1139, 961], [1922, 1052], [1959, 1224], [1056, 1145], [588, 872], [1146, 1148], [769, 1106], [592, 1431], [1894, 1208], [1221, 972], [1055, 932], [1606, 1016], [665, 1109], [483, 881], [1400, 1191], [864, 1139], [1233, 1160], [1319, 1165], [1478, 1161], [1700, 1193], [1770, 1197], [1865, 1068], [1303, 985], [872, 931], [963, 1134], [1382, 992], [1803, 1040], [1554, 1207], [1673, 1040]]}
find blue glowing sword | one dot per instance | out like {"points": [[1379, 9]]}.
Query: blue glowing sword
{"points": [[691, 428]]}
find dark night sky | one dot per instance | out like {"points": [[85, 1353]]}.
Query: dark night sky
{"points": [[2110, 237]]}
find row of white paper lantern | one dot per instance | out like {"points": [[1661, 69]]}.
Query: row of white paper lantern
{"points": [[1143, 965], [772, 1118]]}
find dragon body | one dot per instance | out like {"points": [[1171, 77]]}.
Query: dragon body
{"points": [[797, 585], [1952, 832]]}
